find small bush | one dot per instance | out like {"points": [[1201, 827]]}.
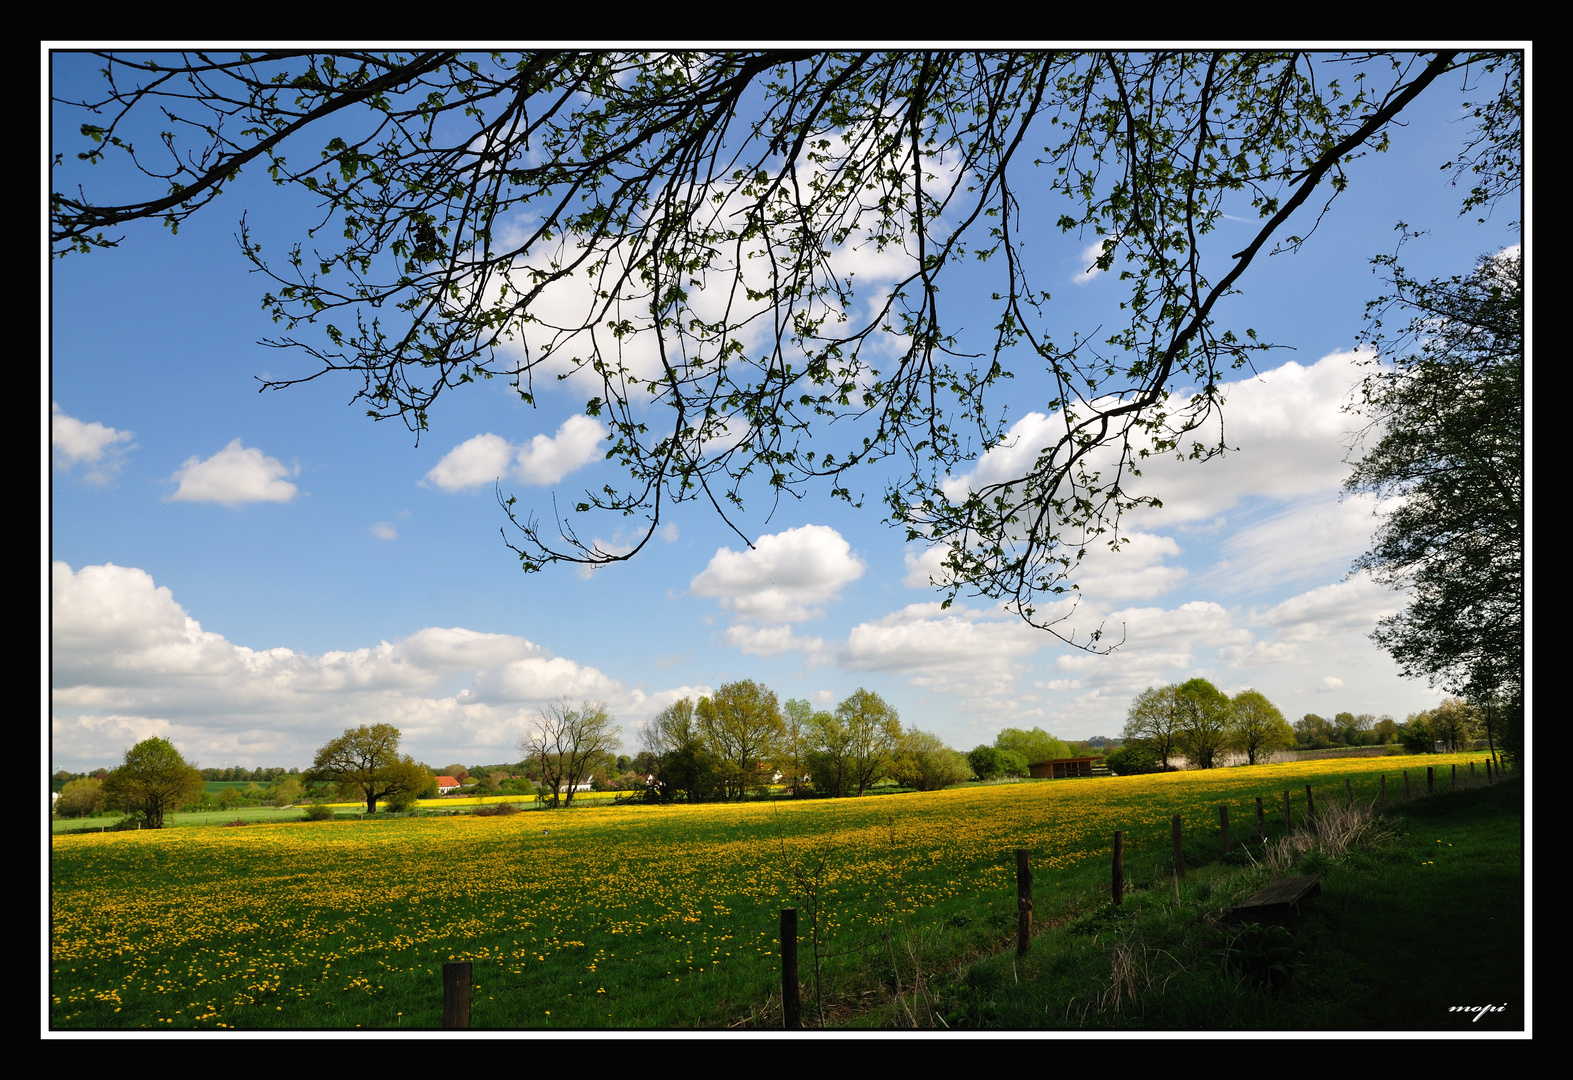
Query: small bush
{"points": [[318, 812], [1264, 954], [496, 810]]}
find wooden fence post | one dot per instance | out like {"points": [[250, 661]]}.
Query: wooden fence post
{"points": [[791, 1013], [1430, 779], [1023, 903], [456, 994], [1286, 812], [1453, 783], [1310, 808], [1179, 849], [1490, 778], [1119, 867], [1261, 822], [1406, 783], [1349, 794], [1384, 789], [1223, 823], [1471, 774]]}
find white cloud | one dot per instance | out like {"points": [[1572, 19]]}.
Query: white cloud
{"points": [[384, 530], [1286, 424], [95, 445], [547, 460], [1328, 683], [785, 576], [771, 640], [541, 461], [234, 475], [1308, 538], [925, 569], [1135, 572], [481, 460], [1090, 256], [958, 650], [1353, 605], [1259, 653], [127, 661]]}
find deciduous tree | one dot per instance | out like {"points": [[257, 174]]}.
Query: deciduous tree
{"points": [[365, 763], [567, 741], [1204, 721], [742, 727], [797, 742], [1454, 723], [1035, 745], [1256, 726], [873, 730], [153, 780], [80, 798], [1154, 721], [1445, 447], [666, 227], [923, 761]]}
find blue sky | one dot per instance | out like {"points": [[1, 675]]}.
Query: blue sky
{"points": [[250, 573]]}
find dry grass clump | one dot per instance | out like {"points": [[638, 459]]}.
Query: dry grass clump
{"points": [[1334, 831]]}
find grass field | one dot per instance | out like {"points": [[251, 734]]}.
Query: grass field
{"points": [[605, 917]]}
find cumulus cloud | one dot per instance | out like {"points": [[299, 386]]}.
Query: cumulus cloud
{"points": [[235, 475], [94, 445], [547, 460], [128, 661], [541, 461], [481, 460], [384, 530], [785, 577], [1137, 571], [771, 640], [1286, 428], [955, 650]]}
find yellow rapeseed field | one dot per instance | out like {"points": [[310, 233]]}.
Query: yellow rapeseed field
{"points": [[624, 916]]}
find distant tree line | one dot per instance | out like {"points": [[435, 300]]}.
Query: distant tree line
{"points": [[1198, 721]]}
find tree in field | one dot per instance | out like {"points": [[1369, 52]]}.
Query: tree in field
{"points": [[365, 764], [873, 731], [1154, 721], [1035, 745], [830, 759], [80, 798], [742, 728], [664, 229], [680, 761], [1132, 760], [985, 762], [923, 761], [1446, 447], [1454, 723], [1014, 763], [1256, 726], [153, 780], [797, 741], [566, 741], [1204, 721], [285, 790], [1316, 732], [1416, 734]]}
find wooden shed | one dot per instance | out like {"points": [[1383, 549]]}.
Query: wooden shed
{"points": [[1060, 768]]}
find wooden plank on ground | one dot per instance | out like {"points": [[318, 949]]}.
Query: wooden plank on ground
{"points": [[1279, 900]]}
